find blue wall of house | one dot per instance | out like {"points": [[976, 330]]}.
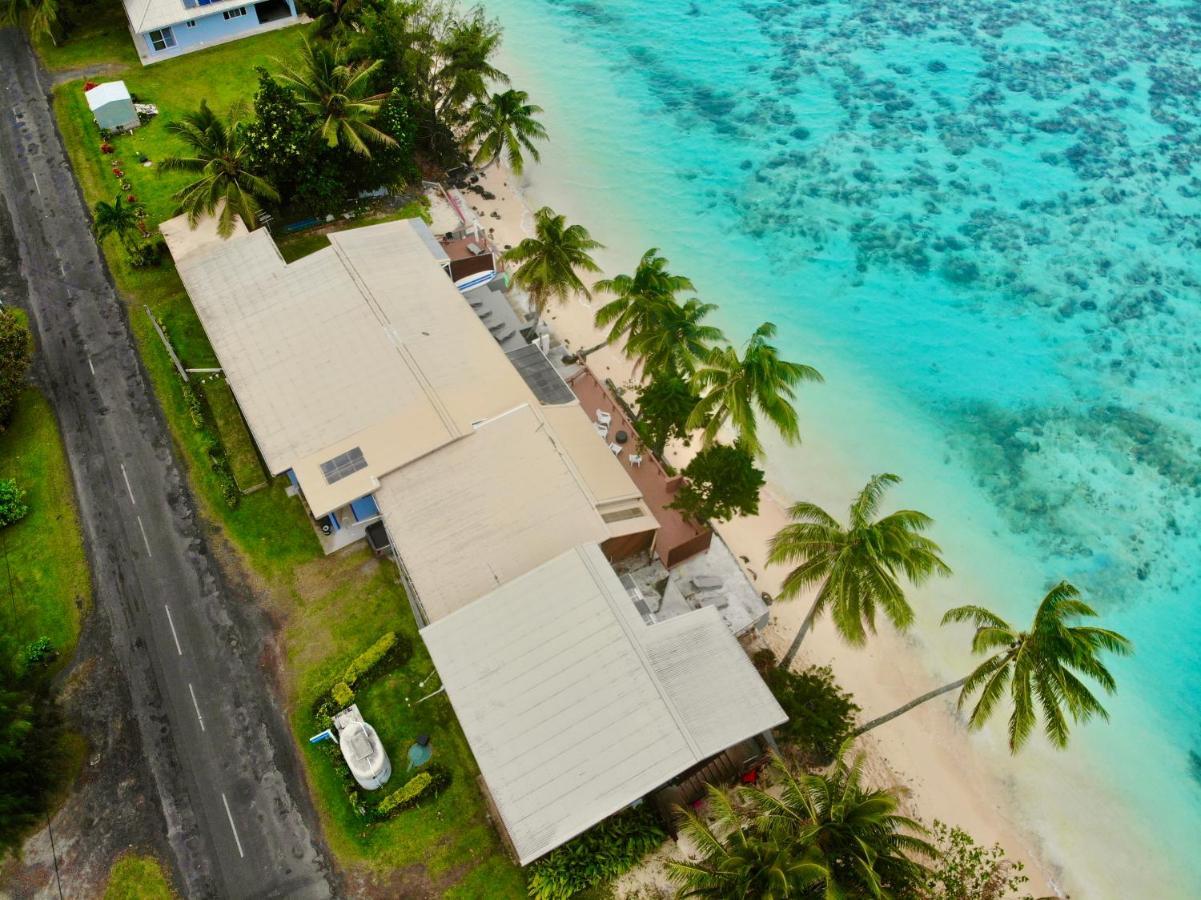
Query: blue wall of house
{"points": [[209, 29]]}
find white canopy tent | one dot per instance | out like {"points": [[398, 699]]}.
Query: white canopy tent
{"points": [[112, 106]]}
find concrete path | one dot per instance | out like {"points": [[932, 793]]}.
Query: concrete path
{"points": [[226, 770]]}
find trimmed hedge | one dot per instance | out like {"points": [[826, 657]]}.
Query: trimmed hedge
{"points": [[370, 658], [390, 651], [342, 694], [600, 854], [408, 793]]}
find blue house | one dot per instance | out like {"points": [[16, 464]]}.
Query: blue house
{"points": [[166, 28]]}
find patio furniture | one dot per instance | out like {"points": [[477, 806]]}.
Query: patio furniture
{"points": [[635, 459], [604, 418], [602, 430], [621, 437], [706, 582], [616, 449]]}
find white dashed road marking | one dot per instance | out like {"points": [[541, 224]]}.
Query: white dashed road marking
{"points": [[192, 691], [126, 477], [233, 827], [145, 540], [171, 622]]}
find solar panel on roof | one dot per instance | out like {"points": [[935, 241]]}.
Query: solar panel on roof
{"points": [[343, 464], [538, 373]]}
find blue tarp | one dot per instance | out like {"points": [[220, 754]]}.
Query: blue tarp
{"points": [[364, 508]]}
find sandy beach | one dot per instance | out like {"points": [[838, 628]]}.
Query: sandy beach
{"points": [[927, 751]]}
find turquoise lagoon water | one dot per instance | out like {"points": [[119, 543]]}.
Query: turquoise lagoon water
{"points": [[982, 220]]}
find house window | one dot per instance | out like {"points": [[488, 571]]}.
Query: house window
{"points": [[342, 465], [234, 13], [191, 23], [162, 39]]}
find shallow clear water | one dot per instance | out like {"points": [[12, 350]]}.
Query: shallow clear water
{"points": [[982, 220]]}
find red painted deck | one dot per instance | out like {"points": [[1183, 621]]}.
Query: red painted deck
{"points": [[678, 538]]}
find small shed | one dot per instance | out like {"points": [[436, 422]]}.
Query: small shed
{"points": [[112, 106]]}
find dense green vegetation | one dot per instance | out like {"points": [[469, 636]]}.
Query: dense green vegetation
{"points": [[16, 354], [599, 855]]}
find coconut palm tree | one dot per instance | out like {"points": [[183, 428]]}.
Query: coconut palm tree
{"points": [[738, 389], [643, 300], [739, 860], [677, 342], [504, 125], [854, 832], [1037, 668], [220, 155], [338, 94], [858, 565], [332, 16], [115, 219], [547, 262]]}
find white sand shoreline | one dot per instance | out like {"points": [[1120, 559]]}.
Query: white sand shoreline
{"points": [[927, 751]]}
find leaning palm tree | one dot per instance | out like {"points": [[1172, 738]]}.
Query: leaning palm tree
{"points": [[115, 218], [220, 155], [504, 126], [338, 94], [863, 845], [737, 389], [677, 342], [740, 861], [1037, 668], [547, 262], [643, 300], [858, 565]]}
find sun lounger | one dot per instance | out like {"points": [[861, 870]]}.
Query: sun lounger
{"points": [[706, 582], [501, 338]]}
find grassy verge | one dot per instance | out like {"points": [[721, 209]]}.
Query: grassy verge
{"points": [[297, 246], [235, 436], [135, 877], [45, 588], [450, 838], [331, 608]]}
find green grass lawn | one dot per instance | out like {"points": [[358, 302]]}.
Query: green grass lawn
{"points": [[45, 587], [450, 837], [101, 39], [235, 436], [297, 246], [135, 877]]}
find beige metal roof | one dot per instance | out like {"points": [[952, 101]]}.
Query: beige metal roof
{"points": [[363, 344], [604, 472], [147, 15], [485, 510], [574, 708]]}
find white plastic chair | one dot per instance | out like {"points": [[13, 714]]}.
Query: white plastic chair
{"points": [[602, 430], [604, 418], [635, 459], [616, 448]]}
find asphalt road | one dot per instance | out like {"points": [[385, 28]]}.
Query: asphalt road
{"points": [[238, 817]]}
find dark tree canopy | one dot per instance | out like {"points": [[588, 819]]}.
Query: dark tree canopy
{"points": [[16, 354], [664, 405], [721, 482]]}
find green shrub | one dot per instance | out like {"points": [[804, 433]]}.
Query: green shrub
{"points": [[407, 795], [192, 401], [602, 853], [146, 254], [16, 355], [370, 658], [12, 502], [964, 870], [38, 653], [342, 695], [821, 714]]}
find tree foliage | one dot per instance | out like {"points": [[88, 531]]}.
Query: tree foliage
{"points": [[505, 127], [549, 262], [743, 389], [13, 507], [16, 355], [721, 482], [219, 154], [116, 218], [821, 714], [664, 404], [964, 870], [605, 851], [858, 567], [1040, 669]]}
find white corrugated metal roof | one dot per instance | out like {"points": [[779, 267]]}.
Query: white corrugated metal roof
{"points": [[148, 15], [574, 708], [109, 92], [486, 509]]}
